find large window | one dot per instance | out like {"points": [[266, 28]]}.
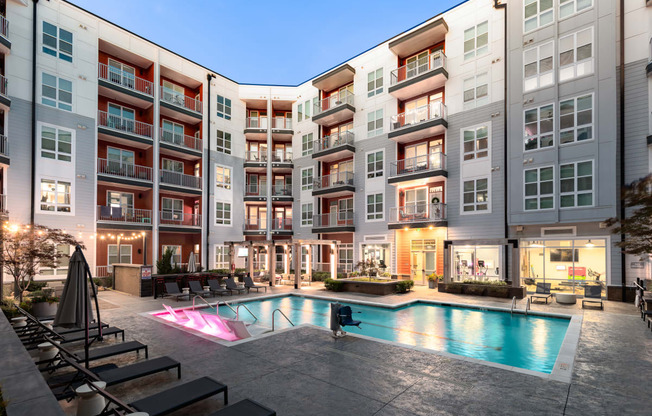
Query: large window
{"points": [[538, 68], [61, 268], [537, 13], [223, 177], [222, 257], [122, 257], [222, 213], [476, 195], [375, 123], [306, 144], [476, 40], [576, 184], [55, 195], [576, 119], [375, 164], [480, 263], [306, 109], [223, 107], [539, 188], [172, 165], [345, 258], [539, 128], [223, 142], [375, 207], [307, 179], [172, 209], [576, 55], [57, 41], [300, 112], [570, 7], [176, 252], [375, 82], [476, 91], [56, 92], [476, 143], [56, 144], [306, 214], [172, 132]]}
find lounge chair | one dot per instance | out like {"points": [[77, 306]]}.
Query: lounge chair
{"points": [[346, 318], [249, 284], [216, 288], [245, 407], [172, 291], [196, 319], [95, 353], [232, 286], [239, 328], [179, 316], [543, 292], [215, 323], [593, 294], [195, 288]]}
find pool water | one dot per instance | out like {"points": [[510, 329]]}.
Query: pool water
{"points": [[530, 342]]}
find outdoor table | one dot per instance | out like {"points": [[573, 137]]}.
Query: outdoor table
{"points": [[566, 298], [90, 402]]}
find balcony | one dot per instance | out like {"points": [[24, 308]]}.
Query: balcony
{"points": [[282, 159], [281, 192], [419, 123], [334, 109], [5, 101], [430, 167], [179, 219], [282, 125], [335, 184], [171, 180], [282, 226], [337, 221], [3, 204], [116, 83], [255, 226], [124, 173], [333, 147], [184, 107], [255, 192], [124, 128], [5, 44], [122, 215], [256, 160], [419, 39], [4, 150], [417, 216], [256, 128], [426, 74], [181, 144]]}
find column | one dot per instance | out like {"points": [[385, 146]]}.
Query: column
{"points": [[250, 254], [286, 260], [513, 251], [297, 265], [309, 263], [447, 261], [156, 217], [334, 260], [271, 252], [231, 258], [270, 178]]}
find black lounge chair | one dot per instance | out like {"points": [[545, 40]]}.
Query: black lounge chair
{"points": [[593, 294], [543, 292], [249, 284], [172, 291], [216, 289], [95, 353], [245, 407], [195, 288], [232, 286], [346, 318]]}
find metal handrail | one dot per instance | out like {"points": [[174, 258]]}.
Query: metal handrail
{"points": [[237, 311], [230, 307], [513, 305], [204, 300], [284, 315], [422, 65], [527, 306]]}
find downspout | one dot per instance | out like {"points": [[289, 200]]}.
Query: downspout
{"points": [[209, 77], [33, 157], [621, 98]]}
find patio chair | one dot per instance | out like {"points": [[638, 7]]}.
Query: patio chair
{"points": [[346, 319], [239, 328], [593, 294], [543, 292], [196, 289], [172, 291], [245, 407], [94, 354], [216, 288], [249, 284], [233, 287]]}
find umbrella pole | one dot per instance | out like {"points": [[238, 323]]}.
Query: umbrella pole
{"points": [[88, 275]]}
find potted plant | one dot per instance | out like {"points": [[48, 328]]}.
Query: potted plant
{"points": [[367, 268], [44, 304], [432, 281]]}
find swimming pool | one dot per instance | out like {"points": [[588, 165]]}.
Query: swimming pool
{"points": [[529, 342]]}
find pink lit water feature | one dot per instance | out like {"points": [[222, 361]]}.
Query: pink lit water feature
{"points": [[212, 325]]}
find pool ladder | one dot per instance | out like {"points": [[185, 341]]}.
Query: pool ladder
{"points": [[284, 315], [236, 311], [513, 305], [204, 300], [527, 305]]}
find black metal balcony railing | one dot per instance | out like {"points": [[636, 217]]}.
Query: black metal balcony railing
{"points": [[181, 140], [124, 214], [335, 100], [342, 218], [180, 219], [179, 179], [124, 125], [333, 141], [174, 97], [432, 111], [418, 164], [125, 79], [333, 180], [422, 65], [255, 189], [421, 212], [282, 224], [3, 203], [125, 170], [282, 190], [4, 26]]}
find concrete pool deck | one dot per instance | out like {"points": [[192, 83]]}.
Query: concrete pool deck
{"points": [[305, 371]]}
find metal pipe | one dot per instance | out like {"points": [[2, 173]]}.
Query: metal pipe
{"points": [[33, 156], [621, 138], [209, 77]]}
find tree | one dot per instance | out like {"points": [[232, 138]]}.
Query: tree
{"points": [[637, 226], [26, 249]]}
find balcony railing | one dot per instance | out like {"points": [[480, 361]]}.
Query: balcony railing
{"points": [[4, 26], [255, 224], [3, 203], [282, 190], [333, 219], [255, 189], [418, 164], [257, 122], [122, 124], [124, 215], [326, 267], [180, 219], [4, 145], [333, 180], [282, 123], [103, 271], [181, 100], [335, 100], [3, 85], [333, 141], [256, 156], [180, 179], [423, 212], [422, 65], [125, 79], [432, 111], [125, 170], [282, 156], [282, 224], [181, 140]]}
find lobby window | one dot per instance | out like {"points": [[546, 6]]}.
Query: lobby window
{"points": [[375, 164], [576, 119], [539, 188], [375, 207], [222, 258], [538, 67], [223, 142], [222, 213], [476, 143], [56, 92], [176, 252], [570, 7], [375, 123], [223, 107], [306, 144], [222, 177], [56, 144], [57, 42], [306, 179], [476, 91], [537, 13], [576, 55], [538, 127], [375, 82], [55, 195], [476, 40], [306, 214], [576, 184], [476, 195]]}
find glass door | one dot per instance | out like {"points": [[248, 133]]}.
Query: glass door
{"points": [[254, 121], [416, 202], [416, 64], [122, 74], [416, 110]]}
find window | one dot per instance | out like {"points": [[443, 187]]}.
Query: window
{"points": [[223, 213], [124, 200], [576, 55], [300, 112], [61, 269], [56, 92], [538, 70], [223, 107], [476, 91], [222, 177], [537, 13], [375, 82], [576, 184], [569, 7], [124, 257], [375, 123], [223, 142], [172, 165], [306, 179], [476, 143], [55, 195], [375, 164], [172, 209], [476, 40], [539, 188], [176, 253], [539, 127], [306, 144], [306, 214], [576, 119], [375, 207], [345, 257], [306, 108], [57, 40], [222, 257], [172, 132], [56, 144], [476, 195]]}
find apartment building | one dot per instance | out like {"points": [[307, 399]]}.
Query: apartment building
{"points": [[481, 144]]}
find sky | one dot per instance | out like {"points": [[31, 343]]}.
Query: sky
{"points": [[263, 42]]}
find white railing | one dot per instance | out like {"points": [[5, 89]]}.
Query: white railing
{"points": [[256, 156], [125, 79], [282, 156], [334, 100], [103, 271], [255, 224], [282, 123], [255, 189], [423, 212], [4, 145], [3, 203], [326, 267], [123, 214], [422, 65], [332, 141], [181, 100], [333, 180], [180, 218], [422, 163], [180, 179], [333, 219], [257, 122], [181, 140], [282, 190], [432, 111], [282, 224], [4, 26], [122, 124], [125, 170], [3, 85]]}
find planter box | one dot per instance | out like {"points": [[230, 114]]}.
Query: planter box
{"points": [[483, 290], [44, 309], [370, 288]]}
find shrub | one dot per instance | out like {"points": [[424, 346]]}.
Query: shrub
{"points": [[354, 274], [454, 288], [240, 270], [498, 291], [34, 286], [320, 276], [164, 265], [488, 282], [40, 296], [403, 286], [334, 285], [343, 276], [475, 290]]}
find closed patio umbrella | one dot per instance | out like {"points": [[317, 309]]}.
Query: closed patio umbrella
{"points": [[191, 263]]}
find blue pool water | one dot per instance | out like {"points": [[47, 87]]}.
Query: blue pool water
{"points": [[530, 342]]}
